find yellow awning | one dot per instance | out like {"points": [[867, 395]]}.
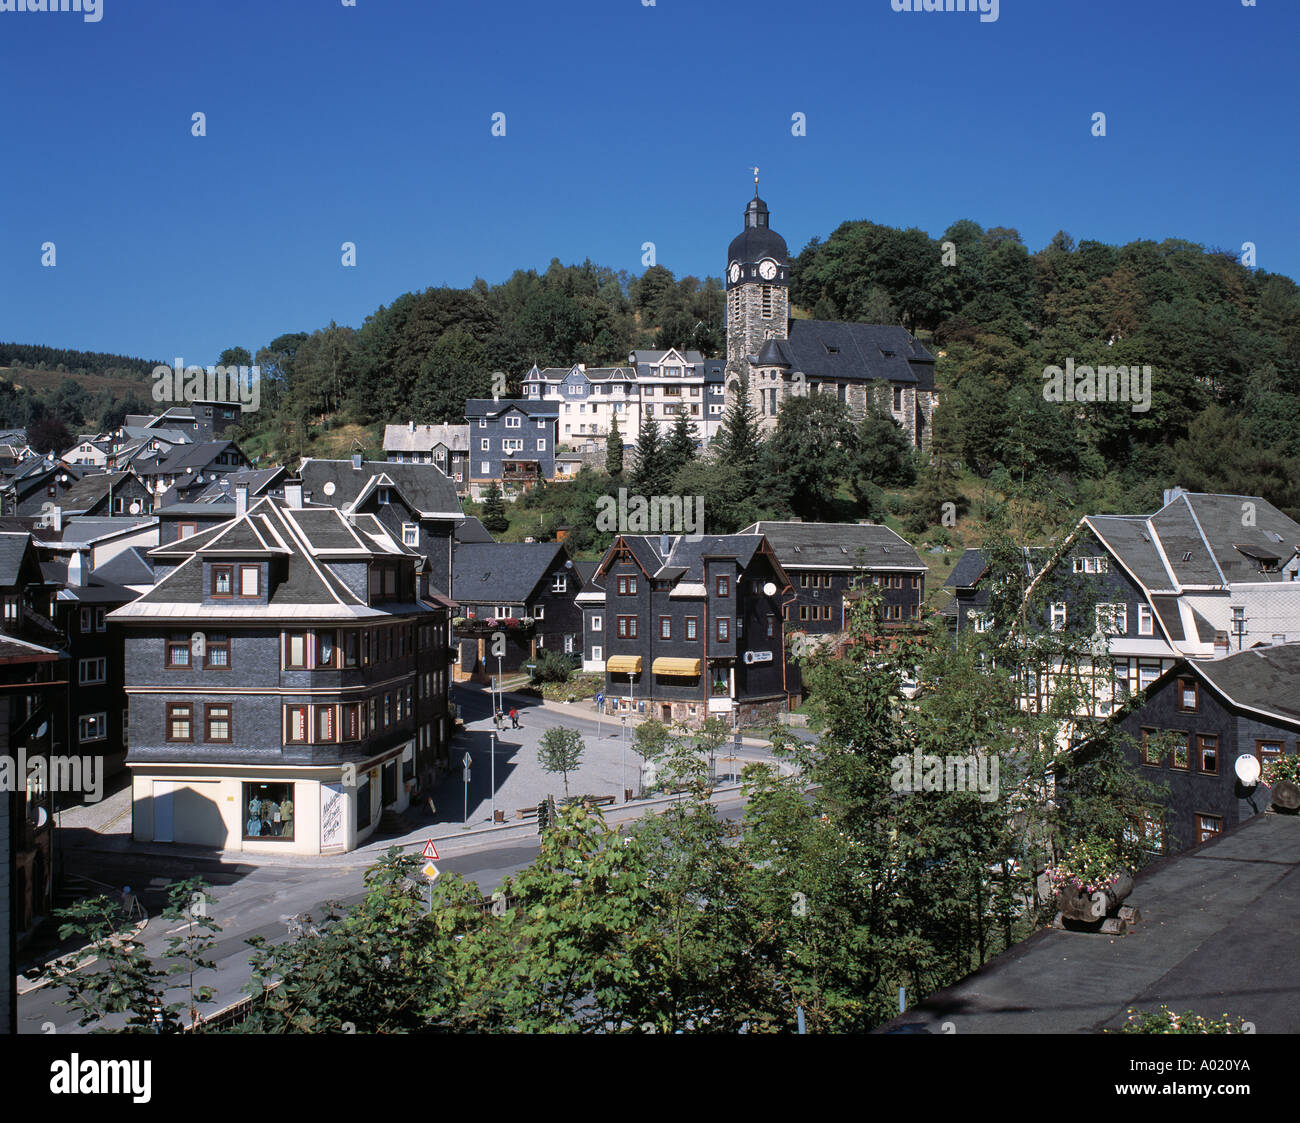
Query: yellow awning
{"points": [[676, 666], [623, 664]]}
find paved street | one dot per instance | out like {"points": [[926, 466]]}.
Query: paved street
{"points": [[256, 896]]}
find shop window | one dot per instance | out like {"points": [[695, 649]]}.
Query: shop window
{"points": [[268, 811]]}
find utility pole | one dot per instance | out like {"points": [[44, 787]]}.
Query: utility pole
{"points": [[493, 770]]}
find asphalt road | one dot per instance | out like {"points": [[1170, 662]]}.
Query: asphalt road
{"points": [[261, 900]]}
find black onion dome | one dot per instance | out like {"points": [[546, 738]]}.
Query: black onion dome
{"points": [[758, 240]]}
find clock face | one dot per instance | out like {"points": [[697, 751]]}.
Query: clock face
{"points": [[734, 272], [767, 270]]}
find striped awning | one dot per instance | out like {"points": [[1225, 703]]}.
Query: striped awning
{"points": [[623, 664], [676, 667]]}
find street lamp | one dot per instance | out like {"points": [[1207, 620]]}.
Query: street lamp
{"points": [[493, 778], [625, 758]]}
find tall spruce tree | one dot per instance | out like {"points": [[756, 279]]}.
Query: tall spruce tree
{"points": [[494, 510], [679, 449], [649, 478], [614, 450], [738, 439]]}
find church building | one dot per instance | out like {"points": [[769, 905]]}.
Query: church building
{"points": [[779, 357]]}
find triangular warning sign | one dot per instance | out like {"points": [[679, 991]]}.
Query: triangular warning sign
{"points": [[430, 851]]}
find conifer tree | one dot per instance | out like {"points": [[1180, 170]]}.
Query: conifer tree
{"points": [[614, 450]]}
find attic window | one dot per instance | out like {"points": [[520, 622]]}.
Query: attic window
{"points": [[887, 354], [832, 350], [1187, 556]]}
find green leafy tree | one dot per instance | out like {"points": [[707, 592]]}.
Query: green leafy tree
{"points": [[561, 750], [809, 454]]}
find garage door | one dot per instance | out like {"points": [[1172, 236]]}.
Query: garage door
{"points": [[196, 814]]}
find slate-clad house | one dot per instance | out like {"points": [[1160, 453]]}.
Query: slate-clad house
{"points": [[824, 559], [1198, 718], [693, 629], [287, 679], [188, 470], [33, 717], [511, 441], [107, 494], [524, 592], [1205, 575], [416, 503], [33, 486], [80, 600], [446, 446]]}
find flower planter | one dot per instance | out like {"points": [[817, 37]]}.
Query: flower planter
{"points": [[1286, 796], [1101, 910]]}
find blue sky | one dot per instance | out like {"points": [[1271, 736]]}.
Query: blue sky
{"points": [[625, 123]]}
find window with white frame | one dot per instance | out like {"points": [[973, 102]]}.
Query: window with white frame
{"points": [[1146, 620], [597, 624], [484, 468], [512, 444], [512, 421], [541, 444], [1092, 564], [1058, 616], [597, 652], [410, 534], [484, 444], [1112, 619], [93, 727], [559, 583], [93, 671], [980, 620]]}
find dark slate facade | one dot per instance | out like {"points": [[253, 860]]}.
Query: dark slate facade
{"points": [[1246, 704], [533, 584], [292, 650], [416, 503], [511, 441], [693, 628]]}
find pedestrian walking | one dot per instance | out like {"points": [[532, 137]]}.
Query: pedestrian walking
{"points": [[514, 718]]}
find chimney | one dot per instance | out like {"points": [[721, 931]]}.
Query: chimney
{"points": [[1221, 647], [356, 461], [241, 500], [293, 492], [410, 426], [77, 567], [1172, 493], [58, 518]]}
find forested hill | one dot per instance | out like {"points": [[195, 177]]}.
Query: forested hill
{"points": [[1222, 341]]}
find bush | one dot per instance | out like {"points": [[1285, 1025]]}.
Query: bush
{"points": [[551, 666], [1143, 1021], [579, 687]]}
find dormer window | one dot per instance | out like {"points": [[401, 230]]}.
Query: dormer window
{"points": [[223, 581], [512, 421]]}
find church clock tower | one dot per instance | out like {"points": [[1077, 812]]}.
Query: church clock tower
{"points": [[758, 295]]}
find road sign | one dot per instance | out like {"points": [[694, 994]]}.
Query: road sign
{"points": [[600, 699], [466, 760], [430, 851], [430, 871]]}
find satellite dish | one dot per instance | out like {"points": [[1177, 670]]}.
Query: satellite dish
{"points": [[1247, 769], [329, 487], [40, 732], [769, 589], [135, 507]]}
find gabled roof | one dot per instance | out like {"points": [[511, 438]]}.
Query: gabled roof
{"points": [[472, 530], [837, 545], [259, 481], [130, 567], [684, 560], [13, 549], [501, 572], [304, 537], [847, 352], [968, 571], [488, 407], [424, 438], [1264, 680], [336, 483], [191, 457], [88, 491]]}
